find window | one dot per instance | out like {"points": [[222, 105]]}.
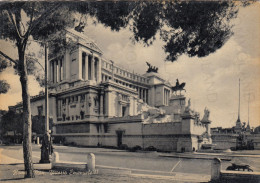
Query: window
{"points": [[123, 111], [106, 128]]}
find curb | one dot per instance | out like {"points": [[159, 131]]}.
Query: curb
{"points": [[190, 157], [79, 166]]}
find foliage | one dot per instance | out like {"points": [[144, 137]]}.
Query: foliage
{"points": [[4, 86], [191, 28], [11, 121]]}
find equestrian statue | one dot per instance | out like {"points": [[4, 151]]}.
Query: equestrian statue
{"points": [[178, 87]]}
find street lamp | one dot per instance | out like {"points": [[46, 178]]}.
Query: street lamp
{"points": [[46, 142]]}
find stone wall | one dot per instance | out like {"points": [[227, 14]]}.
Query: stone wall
{"points": [[198, 129], [224, 141], [162, 142], [162, 128]]}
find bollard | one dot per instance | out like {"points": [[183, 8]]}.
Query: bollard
{"points": [[38, 140], [215, 169], [91, 162], [56, 157]]}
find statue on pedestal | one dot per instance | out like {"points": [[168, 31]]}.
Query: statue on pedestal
{"points": [[151, 68], [178, 87], [206, 115]]}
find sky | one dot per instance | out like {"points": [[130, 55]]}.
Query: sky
{"points": [[211, 81]]}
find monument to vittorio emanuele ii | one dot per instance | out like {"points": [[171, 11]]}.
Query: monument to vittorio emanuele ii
{"points": [[94, 102]]}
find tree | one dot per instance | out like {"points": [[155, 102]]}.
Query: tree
{"points": [[192, 28], [12, 121], [20, 21], [4, 86]]}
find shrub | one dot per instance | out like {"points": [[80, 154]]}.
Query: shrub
{"points": [[123, 147], [135, 148], [151, 148]]}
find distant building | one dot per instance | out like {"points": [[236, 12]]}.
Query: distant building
{"points": [[94, 102], [240, 136]]}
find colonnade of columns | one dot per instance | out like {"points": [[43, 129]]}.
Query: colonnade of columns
{"points": [[143, 94], [56, 70], [89, 66]]}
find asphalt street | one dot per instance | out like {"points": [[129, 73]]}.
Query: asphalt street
{"points": [[150, 161]]}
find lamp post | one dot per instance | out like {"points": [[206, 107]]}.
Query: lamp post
{"points": [[46, 142]]}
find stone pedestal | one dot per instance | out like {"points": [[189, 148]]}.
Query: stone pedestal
{"points": [[91, 164], [215, 169], [38, 140]]}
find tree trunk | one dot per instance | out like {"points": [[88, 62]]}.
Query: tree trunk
{"points": [[27, 127]]}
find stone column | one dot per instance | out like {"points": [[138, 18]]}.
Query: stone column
{"points": [[79, 63], [101, 110], [67, 107], [59, 108], [163, 96], [86, 67], [99, 70], [61, 70], [107, 110], [119, 109], [64, 68], [145, 96], [58, 72], [50, 70], [67, 64], [166, 96], [86, 103], [112, 69], [79, 98], [92, 68], [55, 71]]}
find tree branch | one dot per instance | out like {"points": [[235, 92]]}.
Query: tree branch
{"points": [[9, 58], [14, 24], [30, 24], [35, 60], [43, 16]]}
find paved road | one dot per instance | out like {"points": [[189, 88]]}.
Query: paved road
{"points": [[132, 160], [136, 160]]}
